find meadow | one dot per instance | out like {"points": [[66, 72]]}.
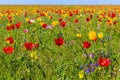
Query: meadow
{"points": [[59, 42]]}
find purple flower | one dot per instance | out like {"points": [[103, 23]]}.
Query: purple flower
{"points": [[96, 65], [92, 69], [91, 55], [91, 64], [81, 67], [87, 71]]}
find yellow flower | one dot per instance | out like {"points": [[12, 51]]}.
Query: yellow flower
{"points": [[17, 14], [100, 35], [99, 68], [78, 35], [26, 19], [64, 15], [105, 44], [12, 15], [100, 12], [8, 42], [81, 74], [115, 69], [49, 17], [12, 18], [41, 23], [61, 46], [101, 16], [39, 19], [33, 54], [109, 21], [54, 23], [92, 35], [34, 28], [78, 16], [46, 14], [8, 24], [35, 57], [34, 13], [6, 14], [1, 15], [115, 18]]}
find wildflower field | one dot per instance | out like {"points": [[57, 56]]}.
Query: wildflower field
{"points": [[59, 43]]}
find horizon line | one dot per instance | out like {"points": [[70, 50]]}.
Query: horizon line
{"points": [[60, 4]]}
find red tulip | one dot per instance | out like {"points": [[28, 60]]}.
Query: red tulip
{"points": [[12, 26], [9, 12], [8, 50], [10, 40], [70, 14], [42, 14], [87, 19], [75, 21], [60, 19], [86, 44], [25, 14], [113, 15], [9, 17], [44, 25], [68, 18], [62, 23], [105, 62], [18, 25], [59, 41], [115, 22], [29, 22], [28, 45], [37, 11], [8, 28], [10, 20], [100, 20]]}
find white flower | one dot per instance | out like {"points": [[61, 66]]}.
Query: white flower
{"points": [[32, 20]]}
